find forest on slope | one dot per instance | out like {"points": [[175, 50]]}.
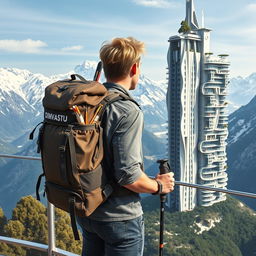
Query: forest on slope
{"points": [[224, 229]]}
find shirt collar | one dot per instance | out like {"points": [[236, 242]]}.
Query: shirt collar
{"points": [[117, 87]]}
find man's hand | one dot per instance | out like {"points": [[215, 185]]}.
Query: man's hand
{"points": [[167, 181], [148, 185]]}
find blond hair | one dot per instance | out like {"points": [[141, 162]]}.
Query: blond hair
{"points": [[119, 55]]}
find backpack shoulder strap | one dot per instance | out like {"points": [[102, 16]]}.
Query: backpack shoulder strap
{"points": [[113, 97]]}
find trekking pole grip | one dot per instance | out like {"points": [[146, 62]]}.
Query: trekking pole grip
{"points": [[164, 168]]}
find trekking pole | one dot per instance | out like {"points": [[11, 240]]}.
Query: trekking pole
{"points": [[164, 168], [98, 72]]}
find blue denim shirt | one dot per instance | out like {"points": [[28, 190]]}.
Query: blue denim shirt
{"points": [[124, 157]]}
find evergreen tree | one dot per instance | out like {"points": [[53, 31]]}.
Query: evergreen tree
{"points": [[4, 248], [29, 222], [184, 27], [32, 214], [3, 221]]}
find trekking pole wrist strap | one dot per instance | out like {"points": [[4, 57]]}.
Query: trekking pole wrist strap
{"points": [[160, 188]]}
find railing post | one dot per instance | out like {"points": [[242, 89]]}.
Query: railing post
{"points": [[51, 229]]}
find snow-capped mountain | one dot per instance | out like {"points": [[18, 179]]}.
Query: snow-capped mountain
{"points": [[21, 94], [152, 97], [87, 70], [241, 91], [14, 107], [242, 150], [242, 122]]}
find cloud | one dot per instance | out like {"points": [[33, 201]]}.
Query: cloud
{"points": [[72, 48], [23, 46], [154, 3], [242, 57], [251, 8]]}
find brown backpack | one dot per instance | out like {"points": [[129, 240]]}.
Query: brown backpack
{"points": [[71, 145]]}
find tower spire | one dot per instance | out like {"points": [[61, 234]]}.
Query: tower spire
{"points": [[191, 15], [202, 19]]}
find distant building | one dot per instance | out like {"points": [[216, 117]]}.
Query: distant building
{"points": [[197, 119]]}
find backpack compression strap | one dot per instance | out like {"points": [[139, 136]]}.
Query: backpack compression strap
{"points": [[68, 139], [72, 213]]}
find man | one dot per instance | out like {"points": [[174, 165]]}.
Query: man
{"points": [[116, 227]]}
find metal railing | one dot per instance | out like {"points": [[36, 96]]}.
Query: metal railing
{"points": [[51, 248], [36, 246], [227, 191]]}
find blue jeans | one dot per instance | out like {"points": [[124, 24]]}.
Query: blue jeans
{"points": [[115, 238]]}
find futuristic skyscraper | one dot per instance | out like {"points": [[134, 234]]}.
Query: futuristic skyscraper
{"points": [[197, 130]]}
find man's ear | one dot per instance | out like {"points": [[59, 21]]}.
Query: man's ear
{"points": [[134, 69]]}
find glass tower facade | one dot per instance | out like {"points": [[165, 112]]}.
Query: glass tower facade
{"points": [[197, 121]]}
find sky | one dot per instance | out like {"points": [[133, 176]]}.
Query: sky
{"points": [[53, 36]]}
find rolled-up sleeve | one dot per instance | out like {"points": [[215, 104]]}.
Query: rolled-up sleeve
{"points": [[127, 148]]}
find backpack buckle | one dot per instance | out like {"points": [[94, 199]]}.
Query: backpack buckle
{"points": [[62, 148], [69, 129], [107, 191]]}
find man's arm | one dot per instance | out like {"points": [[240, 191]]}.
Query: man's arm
{"points": [[128, 157], [127, 146], [144, 184]]}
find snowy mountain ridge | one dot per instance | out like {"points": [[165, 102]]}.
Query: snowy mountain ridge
{"points": [[241, 91], [242, 122], [241, 150], [31, 86], [21, 94]]}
